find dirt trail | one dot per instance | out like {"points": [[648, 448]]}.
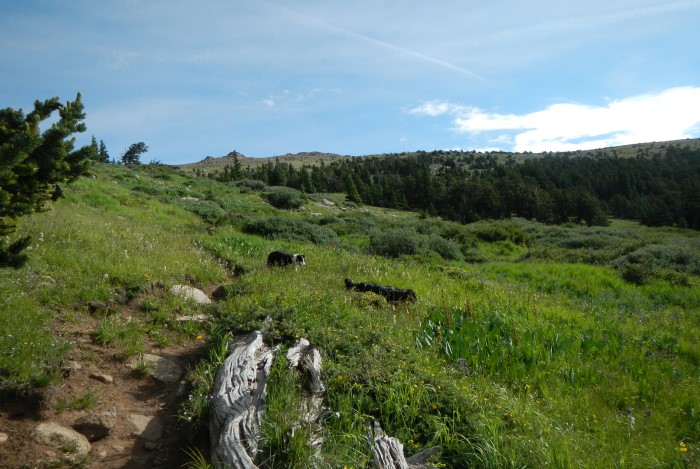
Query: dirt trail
{"points": [[137, 401]]}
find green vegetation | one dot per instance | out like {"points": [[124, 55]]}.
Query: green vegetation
{"points": [[33, 163], [530, 345], [88, 401], [654, 183]]}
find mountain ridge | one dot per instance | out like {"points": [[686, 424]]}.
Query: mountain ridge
{"points": [[314, 157]]}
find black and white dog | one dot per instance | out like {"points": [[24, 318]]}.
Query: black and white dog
{"points": [[391, 294], [279, 258]]}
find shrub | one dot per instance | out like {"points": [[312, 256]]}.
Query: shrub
{"points": [[207, 210], [637, 274], [448, 249], [284, 198], [290, 229], [252, 184], [496, 231], [675, 258], [329, 220], [397, 242]]}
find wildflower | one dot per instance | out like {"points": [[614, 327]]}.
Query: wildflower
{"points": [[199, 337], [682, 447]]}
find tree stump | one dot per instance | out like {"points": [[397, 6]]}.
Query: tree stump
{"points": [[238, 407], [307, 359], [238, 402], [387, 452]]}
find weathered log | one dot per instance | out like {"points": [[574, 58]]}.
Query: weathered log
{"points": [[238, 403], [387, 452], [238, 406], [307, 360]]}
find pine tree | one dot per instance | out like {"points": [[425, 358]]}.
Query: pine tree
{"points": [[133, 154], [102, 154], [34, 163], [351, 190]]}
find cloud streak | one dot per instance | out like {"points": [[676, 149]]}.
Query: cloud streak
{"points": [[382, 44], [667, 115]]}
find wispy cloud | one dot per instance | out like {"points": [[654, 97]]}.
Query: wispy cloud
{"points": [[667, 115], [379, 43]]}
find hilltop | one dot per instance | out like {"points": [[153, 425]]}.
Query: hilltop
{"points": [[210, 163], [529, 345]]}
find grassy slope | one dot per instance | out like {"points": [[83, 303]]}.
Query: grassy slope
{"points": [[549, 362]]}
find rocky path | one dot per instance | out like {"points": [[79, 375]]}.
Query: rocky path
{"points": [[104, 413]]}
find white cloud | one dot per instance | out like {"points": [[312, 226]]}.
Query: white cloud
{"points": [[438, 108], [668, 115]]}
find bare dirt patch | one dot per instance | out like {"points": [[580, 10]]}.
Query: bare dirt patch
{"points": [[147, 431]]}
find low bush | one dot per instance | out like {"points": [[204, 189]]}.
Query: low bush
{"points": [[670, 263], [675, 258], [251, 184], [499, 231], [637, 274], [397, 242], [290, 229], [284, 198], [447, 248], [349, 224], [207, 210]]}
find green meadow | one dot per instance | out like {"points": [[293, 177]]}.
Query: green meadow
{"points": [[529, 346]]}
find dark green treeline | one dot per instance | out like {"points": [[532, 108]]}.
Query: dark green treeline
{"points": [[660, 187]]}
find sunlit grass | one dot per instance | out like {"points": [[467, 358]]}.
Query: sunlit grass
{"points": [[535, 353]]}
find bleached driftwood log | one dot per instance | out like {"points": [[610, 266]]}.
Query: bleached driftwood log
{"points": [[387, 452], [238, 406], [307, 359], [238, 403]]}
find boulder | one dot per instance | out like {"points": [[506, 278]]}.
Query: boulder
{"points": [[163, 369], [65, 439], [96, 426], [190, 293], [147, 427]]}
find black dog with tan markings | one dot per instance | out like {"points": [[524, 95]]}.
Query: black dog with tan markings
{"points": [[391, 294]]}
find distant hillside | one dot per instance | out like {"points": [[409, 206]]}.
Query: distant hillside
{"points": [[655, 183], [210, 163]]}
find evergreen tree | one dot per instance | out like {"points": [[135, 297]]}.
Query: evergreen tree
{"points": [[133, 154], [237, 169], [102, 154], [351, 190], [34, 163]]}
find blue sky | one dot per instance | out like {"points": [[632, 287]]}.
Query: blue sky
{"points": [[265, 78]]}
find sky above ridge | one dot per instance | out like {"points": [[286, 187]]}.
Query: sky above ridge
{"points": [[265, 78]]}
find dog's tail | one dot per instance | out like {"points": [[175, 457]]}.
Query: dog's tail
{"points": [[348, 283]]}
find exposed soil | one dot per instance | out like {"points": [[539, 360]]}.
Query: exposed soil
{"points": [[129, 394]]}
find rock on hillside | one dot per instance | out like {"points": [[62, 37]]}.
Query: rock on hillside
{"points": [[211, 162]]}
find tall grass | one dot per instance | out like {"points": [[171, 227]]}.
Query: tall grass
{"points": [[527, 346]]}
